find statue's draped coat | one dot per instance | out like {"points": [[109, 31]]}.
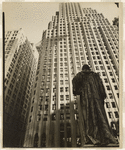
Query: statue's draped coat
{"points": [[89, 86]]}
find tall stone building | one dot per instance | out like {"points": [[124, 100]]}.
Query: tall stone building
{"points": [[21, 60], [74, 37]]}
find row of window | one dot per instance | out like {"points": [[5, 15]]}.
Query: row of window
{"points": [[109, 56], [111, 114], [68, 114]]}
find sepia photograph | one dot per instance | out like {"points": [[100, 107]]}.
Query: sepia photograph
{"points": [[61, 74]]}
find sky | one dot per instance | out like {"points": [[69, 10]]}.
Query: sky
{"points": [[33, 17]]}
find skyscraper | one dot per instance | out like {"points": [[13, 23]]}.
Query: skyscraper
{"points": [[21, 60], [74, 37]]}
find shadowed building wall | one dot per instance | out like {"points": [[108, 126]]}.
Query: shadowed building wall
{"points": [[21, 60]]}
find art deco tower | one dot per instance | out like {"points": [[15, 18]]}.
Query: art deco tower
{"points": [[74, 37], [21, 60]]}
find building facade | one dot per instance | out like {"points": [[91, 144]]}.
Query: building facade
{"points": [[74, 37], [21, 60]]}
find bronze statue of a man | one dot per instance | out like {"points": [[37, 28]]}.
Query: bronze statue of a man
{"points": [[89, 86]]}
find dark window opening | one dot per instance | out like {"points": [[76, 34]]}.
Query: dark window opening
{"points": [[54, 107], [53, 117], [67, 116], [116, 88], [113, 104], [108, 88], [31, 108], [107, 104], [106, 81], [116, 114], [46, 107], [61, 116], [61, 106], [110, 114], [110, 95]]}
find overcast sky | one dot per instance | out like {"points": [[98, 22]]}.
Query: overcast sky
{"points": [[34, 17]]}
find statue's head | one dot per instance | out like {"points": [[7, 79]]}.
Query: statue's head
{"points": [[86, 67]]}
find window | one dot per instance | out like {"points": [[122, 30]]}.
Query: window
{"points": [[68, 128], [43, 77], [95, 62], [13, 80], [61, 89], [53, 116], [113, 104], [108, 67], [106, 81], [32, 109], [108, 88], [75, 106], [66, 75], [113, 80], [41, 98], [97, 68], [110, 73], [61, 69], [66, 89], [47, 98], [76, 116], [106, 62], [46, 107], [36, 78], [110, 95], [54, 90], [67, 116], [61, 106], [54, 107], [34, 92], [54, 98], [116, 88], [66, 81], [61, 97], [116, 114], [61, 82], [40, 107], [8, 75], [61, 116], [67, 106], [110, 114], [11, 86], [47, 90], [98, 57], [61, 59], [61, 75], [9, 92], [107, 104]]}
